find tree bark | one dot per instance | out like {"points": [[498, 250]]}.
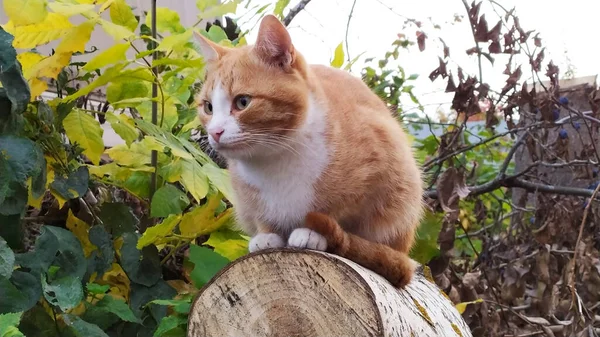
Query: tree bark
{"points": [[289, 292]]}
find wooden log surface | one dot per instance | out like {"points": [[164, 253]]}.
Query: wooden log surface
{"points": [[290, 292]]}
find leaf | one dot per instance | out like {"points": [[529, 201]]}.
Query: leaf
{"points": [[279, 7], [9, 323], [207, 264], [159, 231], [111, 55], [80, 229], [175, 42], [118, 218], [97, 289], [216, 34], [121, 14], [12, 230], [142, 267], [106, 252], [169, 323], [109, 74], [84, 129], [53, 27], [166, 20], [65, 292], [228, 243], [73, 186], [461, 307], [13, 84], [124, 126], [25, 12], [82, 328], [70, 258], [123, 90], [338, 58], [117, 280], [168, 200], [135, 155], [69, 10], [20, 293], [36, 322], [194, 179], [116, 31], [426, 246], [179, 306], [201, 220], [7, 259], [214, 9], [118, 307], [220, 178], [142, 295], [77, 38]]}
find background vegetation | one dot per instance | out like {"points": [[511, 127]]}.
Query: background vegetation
{"points": [[116, 241]]}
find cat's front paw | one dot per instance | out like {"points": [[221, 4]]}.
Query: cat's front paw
{"points": [[307, 239], [265, 241]]}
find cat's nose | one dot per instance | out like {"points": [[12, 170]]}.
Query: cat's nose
{"points": [[216, 133]]}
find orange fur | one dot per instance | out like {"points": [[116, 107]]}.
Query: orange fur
{"points": [[370, 187]]}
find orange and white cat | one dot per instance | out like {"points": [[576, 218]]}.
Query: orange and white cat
{"points": [[316, 159]]}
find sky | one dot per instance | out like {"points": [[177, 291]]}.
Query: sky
{"points": [[568, 32]]}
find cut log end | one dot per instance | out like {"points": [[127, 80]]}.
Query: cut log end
{"points": [[289, 292]]}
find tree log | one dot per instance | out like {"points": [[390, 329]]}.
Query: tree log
{"points": [[290, 292]]}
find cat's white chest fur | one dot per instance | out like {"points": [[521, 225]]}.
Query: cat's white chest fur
{"points": [[286, 184]]}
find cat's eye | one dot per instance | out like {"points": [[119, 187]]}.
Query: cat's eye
{"points": [[208, 108], [242, 101]]}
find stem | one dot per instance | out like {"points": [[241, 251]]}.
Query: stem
{"points": [[347, 29], [154, 154]]}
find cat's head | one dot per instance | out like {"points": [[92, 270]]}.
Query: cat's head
{"points": [[253, 97]]}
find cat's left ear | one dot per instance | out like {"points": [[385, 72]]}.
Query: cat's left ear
{"points": [[209, 50], [274, 44]]}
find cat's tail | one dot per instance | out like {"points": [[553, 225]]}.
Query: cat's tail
{"points": [[395, 266]]}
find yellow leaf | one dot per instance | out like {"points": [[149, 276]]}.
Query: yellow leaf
{"points": [[111, 55], [201, 220], [124, 126], [106, 5], [31, 200], [338, 57], [51, 66], [461, 307], [97, 2], [166, 20], [228, 244], [69, 10], [175, 42], [81, 230], [122, 15], [25, 12], [220, 178], [194, 179], [117, 32], [155, 233], [77, 38], [118, 281], [28, 60], [59, 199], [135, 155], [182, 287], [84, 129], [31, 36]]}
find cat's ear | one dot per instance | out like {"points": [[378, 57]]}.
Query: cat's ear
{"points": [[274, 44], [208, 49]]}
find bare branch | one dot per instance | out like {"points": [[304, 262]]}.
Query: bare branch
{"points": [[294, 11]]}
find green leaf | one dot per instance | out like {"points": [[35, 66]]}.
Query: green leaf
{"points": [[426, 246], [118, 32], [109, 56], [179, 306], [11, 76], [7, 259], [159, 231], [121, 14], [216, 34], [118, 307], [20, 293], [117, 218], [212, 9], [73, 186], [194, 179], [108, 75], [165, 138], [9, 323], [36, 322], [338, 58], [228, 243], [39, 260], [169, 323], [11, 230], [85, 130], [207, 264], [167, 20], [175, 42], [82, 328], [220, 178], [142, 267], [106, 252], [134, 156], [125, 90], [142, 295], [168, 200], [97, 289], [124, 126], [70, 259], [65, 292], [279, 7]]}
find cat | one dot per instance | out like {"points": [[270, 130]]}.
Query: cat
{"points": [[317, 161]]}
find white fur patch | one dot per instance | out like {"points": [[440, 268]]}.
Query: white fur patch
{"points": [[264, 241], [285, 183], [307, 239], [222, 117]]}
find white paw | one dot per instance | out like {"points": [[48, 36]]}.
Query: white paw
{"points": [[308, 239], [264, 241]]}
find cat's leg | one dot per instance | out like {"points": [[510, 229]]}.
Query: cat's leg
{"points": [[265, 239], [307, 239]]}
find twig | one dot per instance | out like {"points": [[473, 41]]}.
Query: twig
{"points": [[347, 29], [476, 42], [294, 11]]}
